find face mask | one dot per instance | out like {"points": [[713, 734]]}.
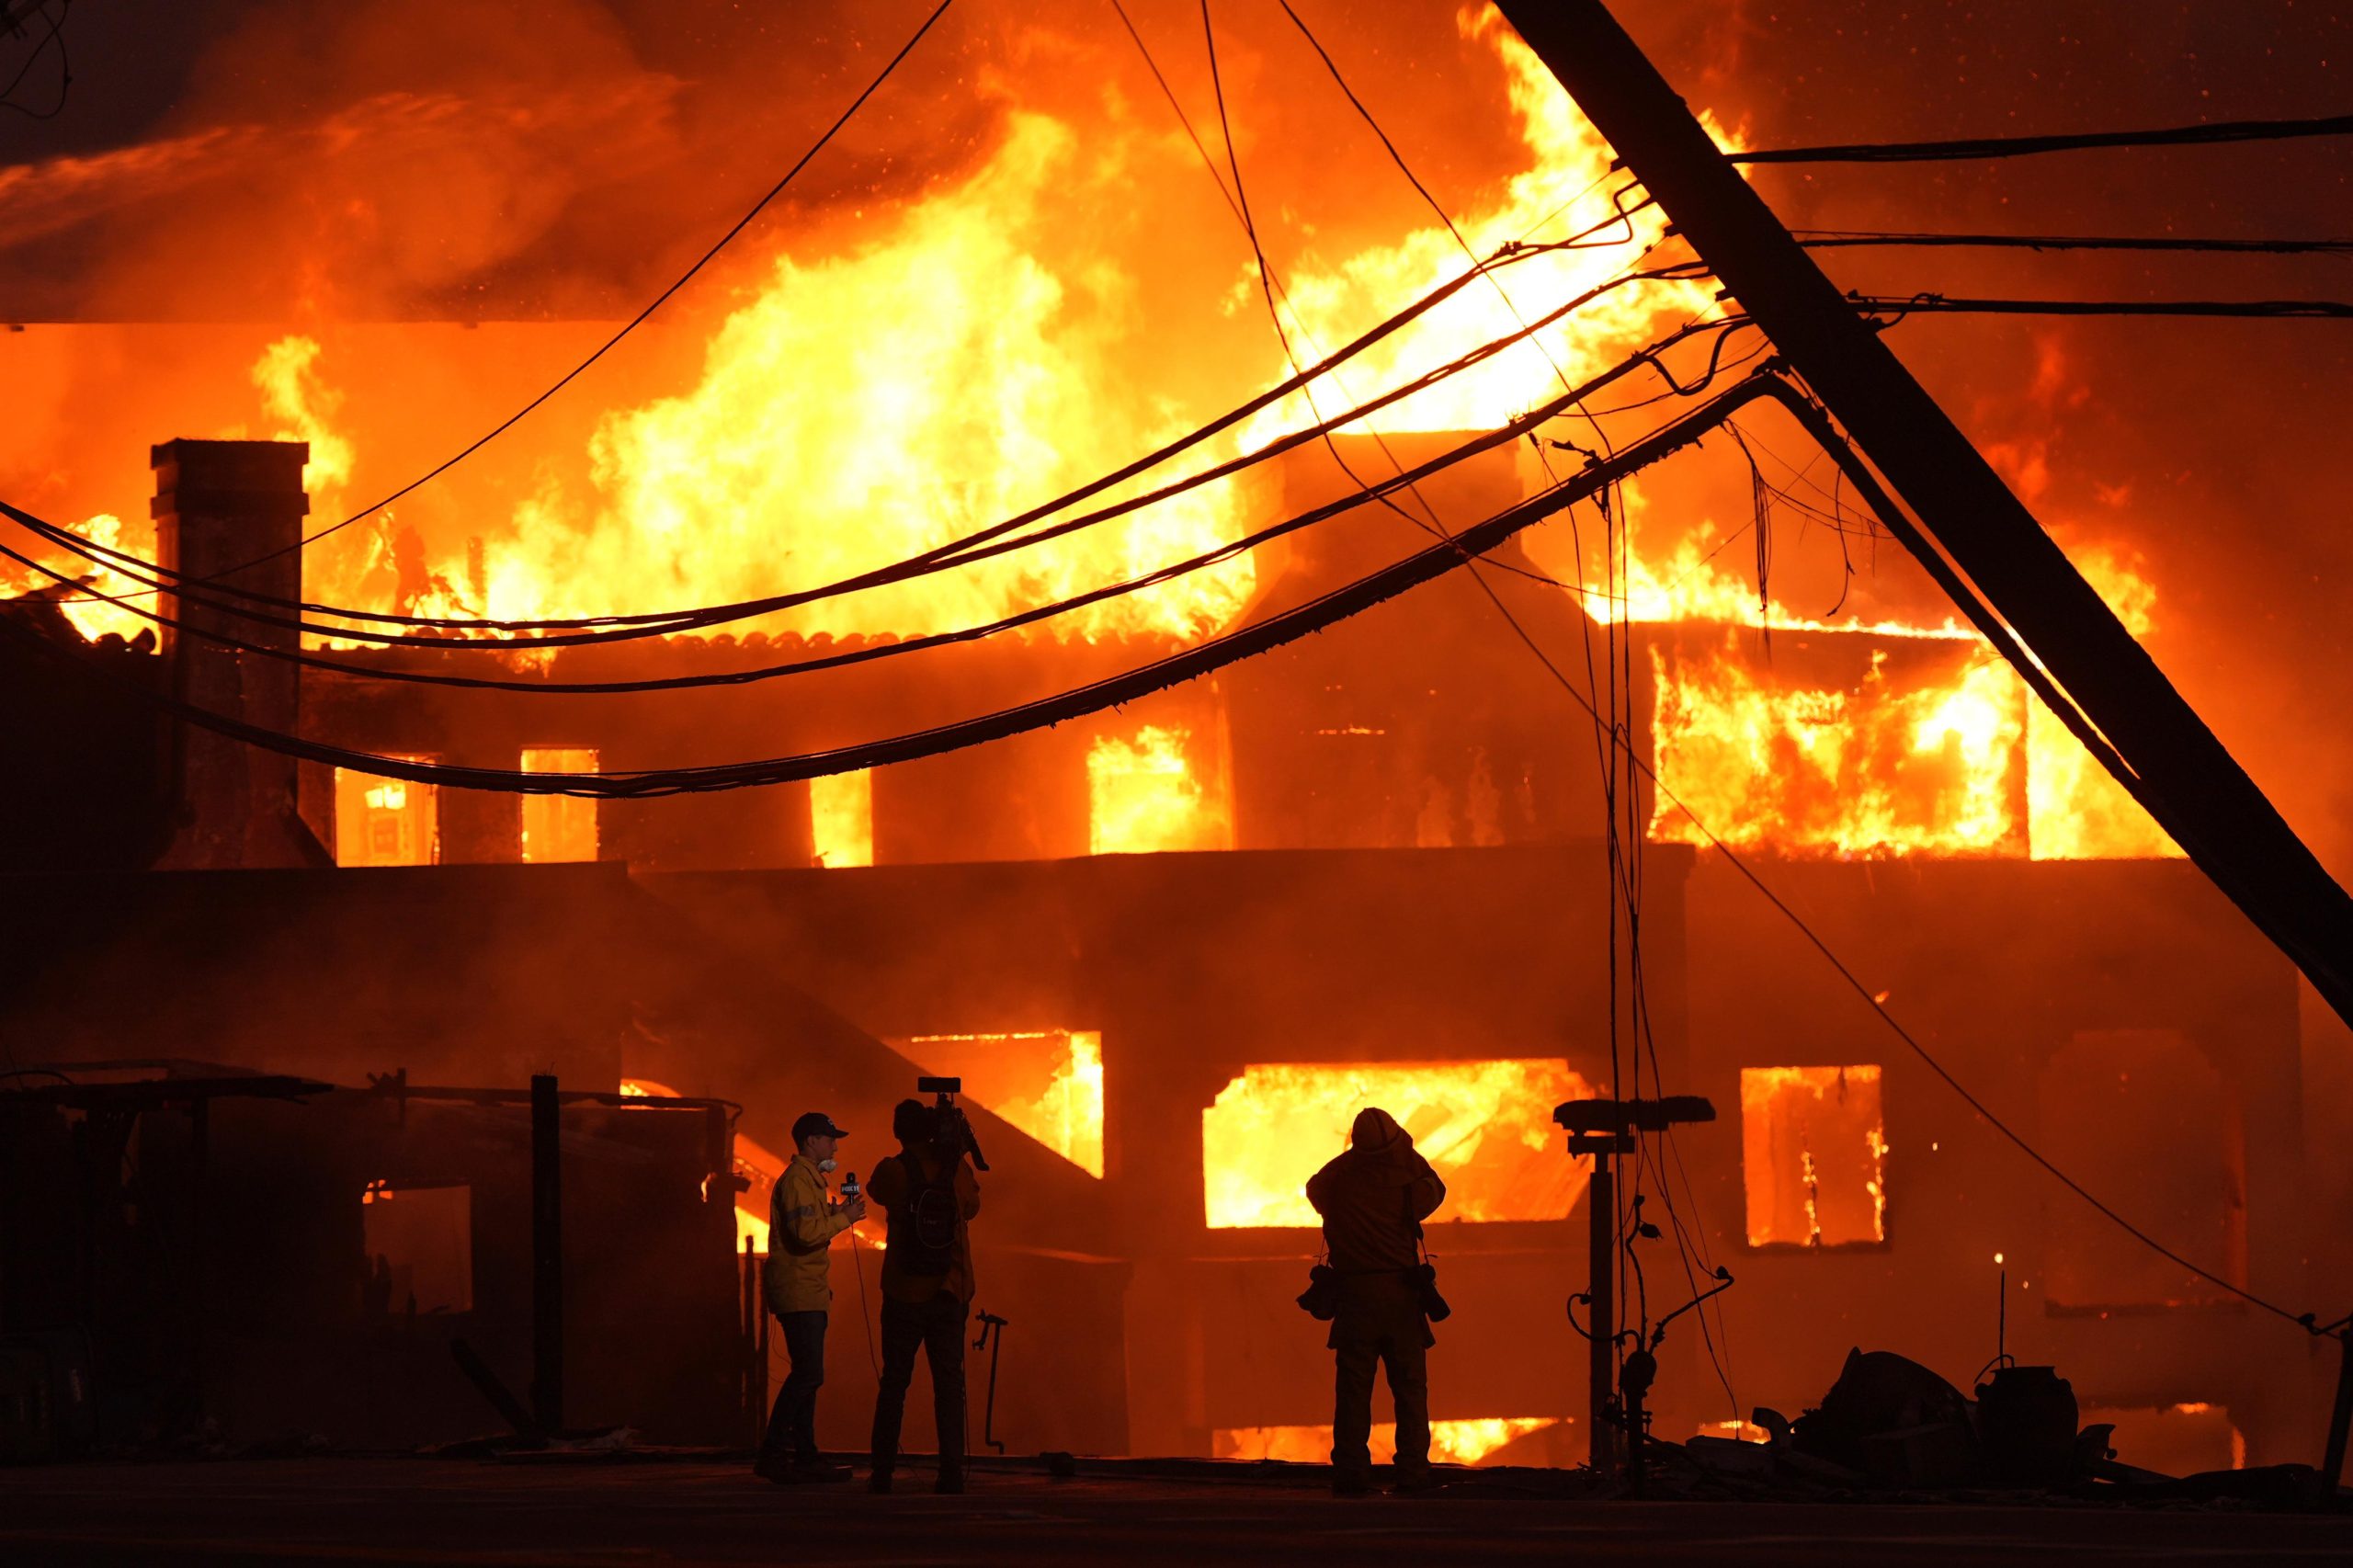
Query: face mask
{"points": [[825, 1166]]}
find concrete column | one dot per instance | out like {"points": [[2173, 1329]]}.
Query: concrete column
{"points": [[220, 508]]}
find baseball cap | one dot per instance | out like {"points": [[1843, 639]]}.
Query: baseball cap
{"points": [[817, 1124]]}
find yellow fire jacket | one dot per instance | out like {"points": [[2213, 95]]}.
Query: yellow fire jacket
{"points": [[802, 1228]]}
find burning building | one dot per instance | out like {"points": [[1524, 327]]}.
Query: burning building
{"points": [[1173, 948]]}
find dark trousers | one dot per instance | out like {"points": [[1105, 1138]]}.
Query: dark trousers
{"points": [[792, 1425], [1396, 1341], [937, 1327]]}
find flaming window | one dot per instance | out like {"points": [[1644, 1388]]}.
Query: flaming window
{"points": [[1452, 1442], [559, 828], [1911, 752], [384, 822], [841, 818], [1814, 1149], [1154, 792], [1048, 1083], [1486, 1127]]}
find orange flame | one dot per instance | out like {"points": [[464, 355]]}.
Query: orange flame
{"points": [[1568, 164], [1486, 1127], [1866, 772], [1064, 1109], [1876, 769], [841, 818], [1467, 1442], [1147, 795], [1813, 1153], [1067, 1115], [862, 408]]}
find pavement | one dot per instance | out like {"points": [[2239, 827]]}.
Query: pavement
{"points": [[592, 1510]]}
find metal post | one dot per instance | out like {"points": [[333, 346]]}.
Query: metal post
{"points": [[1601, 1196], [990, 1325], [200, 1306], [2332, 1465], [2195, 789], [547, 1257], [755, 1373]]}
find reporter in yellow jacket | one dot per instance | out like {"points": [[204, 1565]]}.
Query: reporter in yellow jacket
{"points": [[802, 1224]]}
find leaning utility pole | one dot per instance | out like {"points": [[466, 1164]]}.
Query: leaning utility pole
{"points": [[2191, 784]]}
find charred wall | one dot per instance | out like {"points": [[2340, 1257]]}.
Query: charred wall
{"points": [[1194, 966], [2121, 1016], [218, 1267]]}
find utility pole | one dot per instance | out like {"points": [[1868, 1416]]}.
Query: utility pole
{"points": [[547, 1256], [2195, 789]]}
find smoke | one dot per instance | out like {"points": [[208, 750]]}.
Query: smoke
{"points": [[328, 160]]}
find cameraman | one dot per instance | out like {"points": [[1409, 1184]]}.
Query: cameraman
{"points": [[930, 1193], [802, 1227]]}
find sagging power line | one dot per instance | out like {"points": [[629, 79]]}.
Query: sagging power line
{"points": [[2215, 134]]}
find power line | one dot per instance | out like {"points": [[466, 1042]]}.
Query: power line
{"points": [[954, 552], [1940, 305], [55, 35], [1882, 504], [869, 651], [1283, 627], [1835, 239], [2025, 146], [1272, 284], [634, 321], [864, 654]]}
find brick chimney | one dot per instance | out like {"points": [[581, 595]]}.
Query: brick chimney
{"points": [[219, 508]]}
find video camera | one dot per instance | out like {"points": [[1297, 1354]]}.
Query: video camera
{"points": [[954, 1131]]}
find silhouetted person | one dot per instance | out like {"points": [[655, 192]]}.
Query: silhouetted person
{"points": [[1373, 1199], [802, 1224], [931, 1195]]}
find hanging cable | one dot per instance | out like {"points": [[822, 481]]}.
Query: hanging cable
{"points": [[634, 321], [2023, 146], [1274, 630], [954, 553], [1836, 239], [869, 651], [1776, 388], [1624, 870], [1901, 305]]}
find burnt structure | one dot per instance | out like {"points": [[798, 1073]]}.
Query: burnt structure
{"points": [[194, 1255], [1398, 863]]}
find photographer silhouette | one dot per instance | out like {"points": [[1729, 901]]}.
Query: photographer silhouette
{"points": [[930, 1195]]}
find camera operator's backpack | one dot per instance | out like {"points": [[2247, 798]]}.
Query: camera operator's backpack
{"points": [[922, 1232]]}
